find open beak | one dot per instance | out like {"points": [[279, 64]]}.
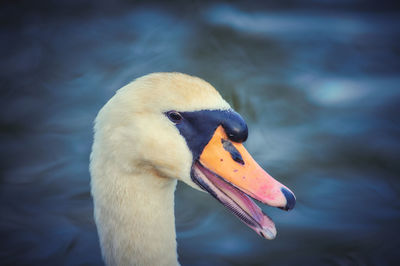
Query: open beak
{"points": [[228, 172]]}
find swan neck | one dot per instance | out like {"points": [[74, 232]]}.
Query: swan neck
{"points": [[135, 219]]}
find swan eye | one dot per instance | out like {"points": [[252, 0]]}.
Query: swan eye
{"points": [[174, 116]]}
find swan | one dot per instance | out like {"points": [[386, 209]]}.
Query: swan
{"points": [[158, 129]]}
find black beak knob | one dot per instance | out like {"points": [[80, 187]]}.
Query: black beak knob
{"points": [[235, 127]]}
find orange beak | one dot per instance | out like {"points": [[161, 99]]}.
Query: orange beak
{"points": [[232, 162]]}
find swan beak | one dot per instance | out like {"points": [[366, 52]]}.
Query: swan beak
{"points": [[231, 161]]}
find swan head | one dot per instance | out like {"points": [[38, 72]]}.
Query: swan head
{"points": [[177, 126]]}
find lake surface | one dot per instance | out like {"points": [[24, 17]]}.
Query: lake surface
{"points": [[317, 82]]}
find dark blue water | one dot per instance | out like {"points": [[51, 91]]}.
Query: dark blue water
{"points": [[317, 81]]}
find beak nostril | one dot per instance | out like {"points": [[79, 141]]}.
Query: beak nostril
{"points": [[235, 154], [290, 199]]}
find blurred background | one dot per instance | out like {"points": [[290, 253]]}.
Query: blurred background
{"points": [[318, 82]]}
